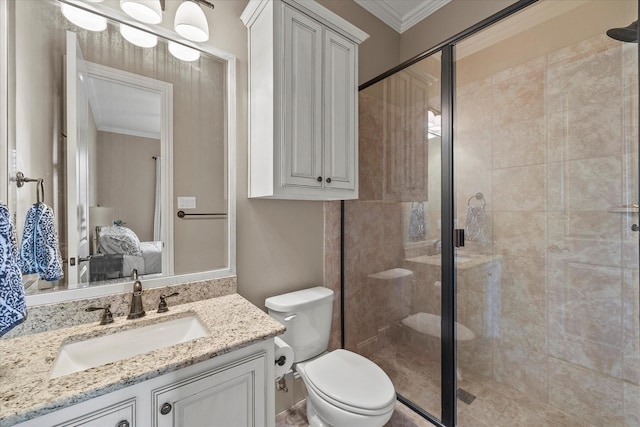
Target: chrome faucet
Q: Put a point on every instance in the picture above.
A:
(136, 310)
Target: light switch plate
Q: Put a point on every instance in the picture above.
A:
(186, 202)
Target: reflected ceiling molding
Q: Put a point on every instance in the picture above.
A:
(401, 15)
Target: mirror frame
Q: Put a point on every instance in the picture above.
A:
(231, 140)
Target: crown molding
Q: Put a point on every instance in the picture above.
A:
(388, 14)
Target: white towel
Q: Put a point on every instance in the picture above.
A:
(13, 309)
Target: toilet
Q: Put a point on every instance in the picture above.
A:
(344, 388)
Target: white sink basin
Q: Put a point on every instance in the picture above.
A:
(82, 355)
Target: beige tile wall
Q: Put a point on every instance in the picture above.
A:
(561, 131)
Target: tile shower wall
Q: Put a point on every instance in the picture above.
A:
(375, 244)
(552, 144)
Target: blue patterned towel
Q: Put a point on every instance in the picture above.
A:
(13, 309)
(39, 251)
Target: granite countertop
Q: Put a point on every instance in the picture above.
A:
(27, 392)
(463, 260)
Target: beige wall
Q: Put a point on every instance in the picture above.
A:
(380, 51)
(446, 22)
(126, 161)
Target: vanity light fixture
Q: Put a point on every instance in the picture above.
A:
(190, 21)
(147, 11)
(83, 19)
(183, 53)
(138, 37)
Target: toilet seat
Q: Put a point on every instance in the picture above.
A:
(350, 382)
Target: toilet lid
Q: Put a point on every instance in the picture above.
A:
(351, 379)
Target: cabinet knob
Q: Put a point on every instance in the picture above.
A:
(165, 408)
(123, 423)
(328, 180)
(319, 179)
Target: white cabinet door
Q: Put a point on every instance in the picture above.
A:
(119, 415)
(302, 115)
(93, 413)
(303, 110)
(340, 94)
(231, 396)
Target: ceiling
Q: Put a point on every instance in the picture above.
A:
(125, 109)
(401, 14)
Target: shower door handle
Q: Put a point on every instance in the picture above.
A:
(458, 237)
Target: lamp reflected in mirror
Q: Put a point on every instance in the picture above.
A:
(99, 216)
(83, 19)
(138, 37)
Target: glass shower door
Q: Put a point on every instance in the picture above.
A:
(392, 234)
(546, 155)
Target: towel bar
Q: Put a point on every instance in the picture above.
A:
(183, 215)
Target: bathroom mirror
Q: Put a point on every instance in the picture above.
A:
(136, 146)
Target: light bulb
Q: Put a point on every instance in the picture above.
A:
(147, 11)
(183, 53)
(191, 23)
(83, 19)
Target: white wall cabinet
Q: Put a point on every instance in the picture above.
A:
(229, 390)
(303, 101)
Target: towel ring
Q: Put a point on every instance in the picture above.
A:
(478, 196)
(20, 180)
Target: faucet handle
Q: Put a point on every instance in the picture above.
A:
(106, 316)
(162, 307)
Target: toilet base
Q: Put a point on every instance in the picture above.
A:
(313, 417)
(327, 415)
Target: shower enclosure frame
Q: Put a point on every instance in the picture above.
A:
(449, 294)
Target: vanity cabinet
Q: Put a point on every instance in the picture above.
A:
(303, 115)
(228, 390)
(119, 415)
(228, 396)
(109, 410)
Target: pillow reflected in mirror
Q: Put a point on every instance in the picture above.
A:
(117, 239)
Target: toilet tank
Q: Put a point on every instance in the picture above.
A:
(307, 316)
